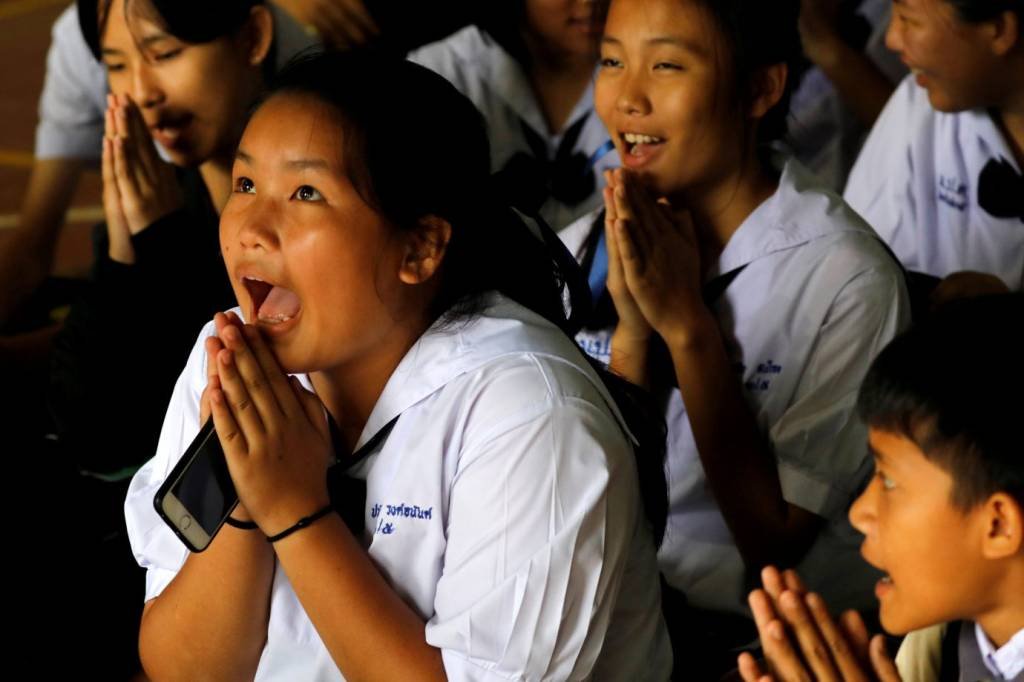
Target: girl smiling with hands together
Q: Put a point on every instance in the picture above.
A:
(769, 294)
(502, 534)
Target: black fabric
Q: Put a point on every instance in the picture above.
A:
(949, 666)
(1001, 190)
(348, 492)
(127, 338)
(528, 179)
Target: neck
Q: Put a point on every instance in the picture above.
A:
(1006, 618)
(1010, 117)
(719, 207)
(216, 173)
(349, 392)
(558, 81)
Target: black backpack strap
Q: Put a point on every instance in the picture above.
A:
(949, 667)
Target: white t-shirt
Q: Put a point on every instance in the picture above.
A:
(824, 134)
(916, 183)
(495, 82)
(503, 507)
(818, 299)
(74, 96)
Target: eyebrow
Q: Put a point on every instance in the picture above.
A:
(293, 164)
(675, 41)
(145, 42)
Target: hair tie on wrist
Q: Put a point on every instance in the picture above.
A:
(301, 523)
(243, 525)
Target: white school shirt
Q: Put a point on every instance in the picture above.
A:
(503, 507)
(74, 97)
(494, 81)
(818, 299)
(824, 133)
(915, 182)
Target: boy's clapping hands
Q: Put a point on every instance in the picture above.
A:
(802, 642)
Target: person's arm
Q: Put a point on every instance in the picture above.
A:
(210, 621)
(26, 252)
(863, 87)
(658, 255)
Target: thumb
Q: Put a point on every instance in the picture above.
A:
(311, 405)
(884, 666)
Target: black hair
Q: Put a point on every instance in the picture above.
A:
(191, 21)
(394, 113)
(975, 11)
(758, 34)
(953, 385)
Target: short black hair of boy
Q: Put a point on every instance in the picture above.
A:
(974, 11)
(954, 385)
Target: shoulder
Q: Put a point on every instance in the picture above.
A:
(510, 367)
(455, 54)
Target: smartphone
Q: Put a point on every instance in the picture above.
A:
(198, 495)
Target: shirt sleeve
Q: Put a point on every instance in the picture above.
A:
(73, 99)
(820, 442)
(880, 186)
(540, 521)
(155, 546)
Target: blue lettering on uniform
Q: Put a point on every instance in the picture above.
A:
(401, 510)
(763, 375)
(952, 192)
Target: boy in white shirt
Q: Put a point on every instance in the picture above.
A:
(943, 516)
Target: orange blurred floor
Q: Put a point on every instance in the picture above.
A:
(24, 39)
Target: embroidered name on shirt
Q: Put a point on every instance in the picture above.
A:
(762, 379)
(598, 346)
(382, 512)
(953, 192)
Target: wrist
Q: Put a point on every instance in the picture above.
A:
(691, 330)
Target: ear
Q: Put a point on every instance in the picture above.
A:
(425, 250)
(1004, 33)
(1004, 527)
(258, 34)
(769, 84)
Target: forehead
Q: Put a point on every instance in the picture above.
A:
(130, 24)
(662, 21)
(294, 125)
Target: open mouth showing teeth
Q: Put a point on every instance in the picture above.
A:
(637, 143)
(271, 304)
(887, 579)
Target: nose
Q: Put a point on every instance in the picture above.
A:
(632, 100)
(893, 35)
(254, 225)
(862, 511)
(146, 90)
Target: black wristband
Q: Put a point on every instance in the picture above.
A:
(243, 525)
(301, 523)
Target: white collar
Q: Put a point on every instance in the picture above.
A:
(1007, 662)
(504, 74)
(800, 210)
(991, 141)
(441, 355)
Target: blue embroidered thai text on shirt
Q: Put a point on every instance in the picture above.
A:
(952, 192)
